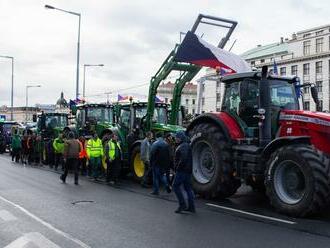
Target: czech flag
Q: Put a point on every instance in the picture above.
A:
(196, 51)
(158, 99)
(122, 98)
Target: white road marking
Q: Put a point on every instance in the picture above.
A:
(253, 214)
(7, 216)
(36, 218)
(35, 239)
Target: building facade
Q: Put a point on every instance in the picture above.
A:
(188, 97)
(305, 54)
(20, 114)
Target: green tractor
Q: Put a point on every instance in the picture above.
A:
(92, 118)
(49, 126)
(132, 126)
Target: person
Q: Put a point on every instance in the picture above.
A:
(71, 157)
(183, 169)
(159, 160)
(38, 147)
(83, 156)
(113, 155)
(16, 146)
(24, 146)
(94, 151)
(30, 146)
(145, 157)
(170, 142)
(58, 145)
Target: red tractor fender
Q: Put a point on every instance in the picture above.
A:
(283, 141)
(229, 126)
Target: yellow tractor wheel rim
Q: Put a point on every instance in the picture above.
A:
(138, 166)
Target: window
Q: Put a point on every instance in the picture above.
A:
(306, 69)
(319, 32)
(306, 35)
(253, 63)
(318, 67)
(218, 97)
(125, 115)
(319, 86)
(218, 109)
(294, 70)
(166, 100)
(218, 84)
(187, 101)
(193, 101)
(203, 100)
(319, 45)
(307, 47)
(193, 111)
(306, 90)
(306, 105)
(283, 71)
(262, 61)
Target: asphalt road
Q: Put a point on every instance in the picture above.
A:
(36, 210)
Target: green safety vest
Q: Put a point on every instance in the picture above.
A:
(58, 145)
(94, 148)
(112, 149)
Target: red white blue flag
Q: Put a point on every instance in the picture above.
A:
(196, 51)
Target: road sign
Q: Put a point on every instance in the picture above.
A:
(2, 117)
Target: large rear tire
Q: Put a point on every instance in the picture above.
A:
(137, 166)
(298, 180)
(212, 173)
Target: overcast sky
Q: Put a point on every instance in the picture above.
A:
(132, 38)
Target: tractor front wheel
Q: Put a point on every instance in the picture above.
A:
(298, 180)
(212, 172)
(137, 166)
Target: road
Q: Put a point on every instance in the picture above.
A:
(36, 210)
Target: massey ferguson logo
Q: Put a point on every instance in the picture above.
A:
(301, 118)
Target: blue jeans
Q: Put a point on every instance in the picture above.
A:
(96, 163)
(157, 177)
(183, 180)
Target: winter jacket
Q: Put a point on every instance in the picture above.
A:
(72, 148)
(183, 158)
(16, 142)
(160, 154)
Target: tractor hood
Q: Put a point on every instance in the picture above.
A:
(319, 118)
(167, 128)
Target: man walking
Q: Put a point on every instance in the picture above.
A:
(159, 160)
(145, 157)
(58, 145)
(113, 155)
(94, 151)
(71, 157)
(183, 169)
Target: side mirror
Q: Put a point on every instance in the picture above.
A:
(34, 118)
(315, 97)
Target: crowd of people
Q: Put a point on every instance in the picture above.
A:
(167, 160)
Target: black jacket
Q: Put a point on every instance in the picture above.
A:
(183, 158)
(160, 154)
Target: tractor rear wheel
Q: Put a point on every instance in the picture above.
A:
(212, 173)
(298, 180)
(137, 166)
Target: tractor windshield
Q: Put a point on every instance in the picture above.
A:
(160, 115)
(283, 94)
(101, 114)
(53, 121)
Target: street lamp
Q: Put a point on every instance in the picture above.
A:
(27, 98)
(84, 83)
(12, 86)
(78, 44)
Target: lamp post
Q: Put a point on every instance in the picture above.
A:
(78, 44)
(12, 86)
(27, 98)
(84, 83)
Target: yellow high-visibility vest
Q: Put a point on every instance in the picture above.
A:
(94, 148)
(112, 149)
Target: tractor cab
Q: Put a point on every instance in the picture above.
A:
(94, 117)
(51, 124)
(242, 100)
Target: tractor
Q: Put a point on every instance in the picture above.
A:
(91, 118)
(262, 138)
(132, 126)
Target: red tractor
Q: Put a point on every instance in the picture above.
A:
(262, 138)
